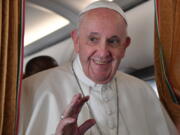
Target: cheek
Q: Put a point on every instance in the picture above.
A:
(118, 54)
(86, 52)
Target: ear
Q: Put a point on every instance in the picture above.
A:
(126, 44)
(75, 38)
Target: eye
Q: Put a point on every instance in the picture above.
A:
(93, 39)
(114, 42)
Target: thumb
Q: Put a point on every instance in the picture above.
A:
(86, 125)
(177, 92)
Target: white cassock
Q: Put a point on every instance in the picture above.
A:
(126, 105)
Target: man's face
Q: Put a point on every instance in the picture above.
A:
(101, 43)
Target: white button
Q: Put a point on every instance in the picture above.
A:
(109, 112)
(106, 99)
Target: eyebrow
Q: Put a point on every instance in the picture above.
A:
(112, 37)
(94, 33)
(115, 36)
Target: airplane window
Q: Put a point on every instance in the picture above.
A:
(44, 22)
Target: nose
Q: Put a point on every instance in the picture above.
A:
(103, 50)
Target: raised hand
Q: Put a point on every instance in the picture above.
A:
(68, 125)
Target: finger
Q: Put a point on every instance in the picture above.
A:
(86, 125)
(177, 93)
(81, 103)
(73, 103)
(75, 106)
(64, 124)
(78, 106)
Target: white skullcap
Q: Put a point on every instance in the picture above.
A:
(105, 4)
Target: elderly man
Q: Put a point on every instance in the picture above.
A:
(89, 96)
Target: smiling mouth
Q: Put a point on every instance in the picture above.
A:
(101, 62)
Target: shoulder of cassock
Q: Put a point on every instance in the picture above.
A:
(135, 89)
(48, 77)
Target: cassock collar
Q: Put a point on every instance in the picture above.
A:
(83, 78)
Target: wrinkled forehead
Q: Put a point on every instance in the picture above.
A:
(102, 21)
